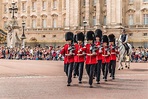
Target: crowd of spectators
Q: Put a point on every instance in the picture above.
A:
(30, 53)
(139, 54)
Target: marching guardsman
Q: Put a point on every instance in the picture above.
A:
(79, 56)
(75, 68)
(105, 57)
(98, 34)
(68, 52)
(91, 59)
(113, 53)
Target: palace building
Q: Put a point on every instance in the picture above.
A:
(48, 20)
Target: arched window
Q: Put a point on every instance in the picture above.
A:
(43, 5)
(64, 3)
(94, 20)
(94, 2)
(145, 19)
(54, 20)
(44, 23)
(145, 0)
(54, 23)
(131, 19)
(54, 4)
(33, 23)
(33, 5)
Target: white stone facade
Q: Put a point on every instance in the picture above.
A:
(48, 20)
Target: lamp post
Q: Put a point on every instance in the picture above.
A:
(23, 37)
(84, 23)
(13, 9)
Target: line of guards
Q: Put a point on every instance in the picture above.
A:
(98, 53)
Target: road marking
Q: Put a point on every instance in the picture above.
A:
(36, 76)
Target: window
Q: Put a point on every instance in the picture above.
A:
(104, 20)
(105, 2)
(64, 4)
(131, 20)
(54, 23)
(144, 34)
(94, 2)
(43, 5)
(43, 36)
(145, 19)
(84, 3)
(131, 1)
(53, 36)
(33, 6)
(55, 4)
(43, 23)
(145, 0)
(5, 8)
(5, 24)
(130, 34)
(94, 20)
(33, 23)
(23, 6)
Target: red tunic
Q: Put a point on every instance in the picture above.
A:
(105, 56)
(77, 51)
(64, 51)
(113, 53)
(99, 54)
(89, 59)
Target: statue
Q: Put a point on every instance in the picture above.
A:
(12, 29)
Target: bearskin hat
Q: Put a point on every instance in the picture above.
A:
(69, 36)
(105, 39)
(111, 37)
(75, 39)
(80, 36)
(90, 35)
(98, 33)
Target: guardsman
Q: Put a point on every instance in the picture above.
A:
(113, 54)
(68, 52)
(79, 55)
(105, 57)
(98, 34)
(91, 59)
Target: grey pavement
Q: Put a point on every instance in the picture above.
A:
(29, 79)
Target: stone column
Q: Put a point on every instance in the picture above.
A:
(76, 12)
(87, 12)
(119, 11)
(67, 14)
(114, 12)
(98, 5)
(108, 21)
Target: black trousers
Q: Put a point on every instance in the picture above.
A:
(66, 69)
(69, 72)
(90, 71)
(105, 69)
(126, 47)
(112, 67)
(81, 66)
(99, 65)
(76, 71)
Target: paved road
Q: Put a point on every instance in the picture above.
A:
(28, 79)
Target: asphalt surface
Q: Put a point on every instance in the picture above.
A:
(29, 79)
